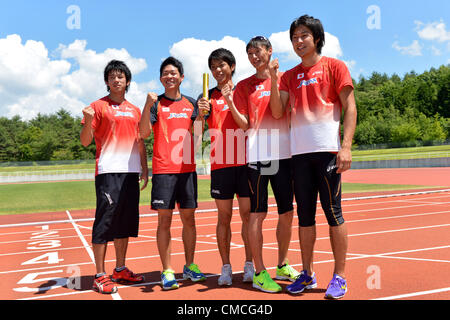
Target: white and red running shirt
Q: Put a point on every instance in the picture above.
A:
(116, 134)
(315, 105)
(268, 138)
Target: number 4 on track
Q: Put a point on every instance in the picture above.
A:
(49, 258)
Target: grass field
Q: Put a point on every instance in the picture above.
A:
(402, 153)
(358, 155)
(74, 195)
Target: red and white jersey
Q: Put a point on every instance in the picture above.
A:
(268, 138)
(173, 146)
(116, 134)
(227, 139)
(315, 105)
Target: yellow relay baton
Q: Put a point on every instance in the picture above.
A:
(205, 88)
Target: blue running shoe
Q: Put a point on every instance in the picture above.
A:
(193, 272)
(302, 282)
(336, 288)
(168, 281)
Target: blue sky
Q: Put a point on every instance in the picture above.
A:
(44, 64)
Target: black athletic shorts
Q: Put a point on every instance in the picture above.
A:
(279, 173)
(226, 182)
(117, 212)
(177, 187)
(315, 173)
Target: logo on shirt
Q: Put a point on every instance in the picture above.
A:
(174, 115)
(115, 107)
(300, 76)
(220, 101)
(264, 94)
(124, 114)
(165, 109)
(260, 87)
(307, 82)
(187, 109)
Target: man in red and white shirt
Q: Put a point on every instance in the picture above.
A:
(268, 157)
(120, 158)
(316, 92)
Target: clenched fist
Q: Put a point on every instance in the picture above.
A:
(151, 98)
(273, 68)
(88, 113)
(227, 92)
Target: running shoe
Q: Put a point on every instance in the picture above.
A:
(286, 272)
(302, 282)
(225, 278)
(265, 283)
(249, 272)
(126, 276)
(336, 288)
(168, 281)
(104, 284)
(193, 272)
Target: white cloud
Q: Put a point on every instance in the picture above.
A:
(32, 83)
(414, 49)
(27, 67)
(434, 31)
(436, 51)
(194, 53)
(281, 44)
(332, 47)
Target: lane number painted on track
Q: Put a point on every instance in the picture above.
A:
(47, 280)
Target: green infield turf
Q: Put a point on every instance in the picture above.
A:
(75, 195)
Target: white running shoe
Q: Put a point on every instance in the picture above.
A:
(225, 278)
(249, 271)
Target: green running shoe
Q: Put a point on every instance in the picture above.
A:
(168, 281)
(286, 272)
(193, 272)
(265, 283)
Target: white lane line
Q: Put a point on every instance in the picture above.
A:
(86, 245)
(414, 294)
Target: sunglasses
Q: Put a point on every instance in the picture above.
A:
(260, 38)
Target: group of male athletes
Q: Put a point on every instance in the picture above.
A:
(277, 127)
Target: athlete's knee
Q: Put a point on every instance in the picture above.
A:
(285, 219)
(334, 216)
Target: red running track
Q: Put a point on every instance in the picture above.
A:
(393, 243)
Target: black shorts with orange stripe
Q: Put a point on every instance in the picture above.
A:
(279, 173)
(315, 173)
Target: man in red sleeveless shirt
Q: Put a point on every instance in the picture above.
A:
(174, 178)
(316, 92)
